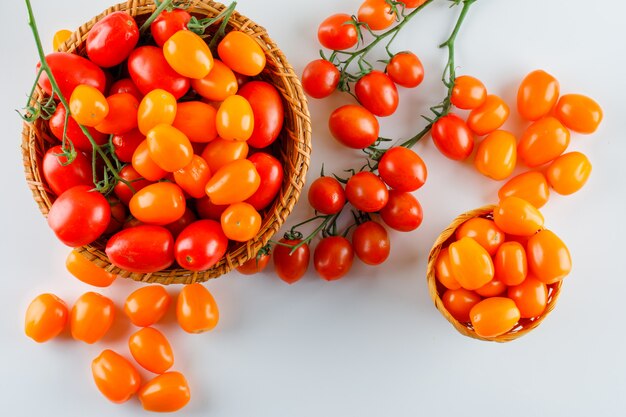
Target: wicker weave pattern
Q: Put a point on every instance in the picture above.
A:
(524, 326)
(293, 146)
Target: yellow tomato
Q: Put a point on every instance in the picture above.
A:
(60, 37)
(471, 264)
(494, 316)
(517, 217)
(569, 172)
(531, 186)
(483, 231)
(218, 85)
(88, 272)
(497, 155)
(241, 53)
(188, 54)
(157, 107)
(543, 141)
(46, 317)
(579, 113)
(151, 350)
(169, 148)
(88, 106)
(510, 263)
(235, 119)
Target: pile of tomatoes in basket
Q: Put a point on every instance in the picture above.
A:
(173, 127)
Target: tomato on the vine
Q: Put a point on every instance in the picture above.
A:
(160, 203)
(234, 182)
(377, 14)
(489, 116)
(367, 192)
(377, 93)
(168, 23)
(402, 212)
(268, 111)
(255, 264)
(402, 169)
(405, 69)
(271, 173)
(73, 131)
(142, 249)
(61, 176)
(354, 126)
(468, 92)
(370, 242)
(453, 137)
(410, 4)
(241, 53)
(46, 318)
(333, 257)
(290, 267)
(320, 78)
(326, 195)
(111, 40)
(338, 32)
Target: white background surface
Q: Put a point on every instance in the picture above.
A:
(371, 344)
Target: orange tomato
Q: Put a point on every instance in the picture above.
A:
(517, 217)
(510, 263)
(166, 393)
(531, 186)
(492, 288)
(569, 172)
(241, 222)
(233, 183)
(194, 177)
(159, 204)
(494, 316)
(169, 148)
(87, 271)
(46, 317)
(151, 350)
(377, 14)
(459, 303)
(579, 113)
(145, 306)
(218, 85)
(489, 116)
(471, 264)
(157, 107)
(196, 120)
(116, 378)
(122, 115)
(443, 271)
(196, 310)
(241, 53)
(88, 106)
(221, 152)
(530, 297)
(548, 257)
(188, 54)
(537, 95)
(91, 317)
(497, 155)
(235, 119)
(468, 92)
(59, 38)
(144, 165)
(543, 141)
(483, 231)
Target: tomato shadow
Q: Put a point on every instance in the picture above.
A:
(120, 329)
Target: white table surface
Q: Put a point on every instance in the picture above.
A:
(371, 344)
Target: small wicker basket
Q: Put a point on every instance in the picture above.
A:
(436, 289)
(293, 146)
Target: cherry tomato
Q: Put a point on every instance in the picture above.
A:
(150, 71)
(126, 144)
(219, 84)
(167, 393)
(147, 305)
(194, 177)
(333, 257)
(569, 172)
(271, 173)
(542, 142)
(491, 289)
(116, 378)
(208, 210)
(468, 92)
(537, 95)
(196, 309)
(405, 69)
(579, 113)
(142, 249)
(88, 106)
(354, 126)
(377, 14)
(367, 192)
(320, 78)
(221, 152)
(377, 93)
(549, 259)
(111, 40)
(402, 212)
(118, 216)
(159, 204)
(254, 265)
(409, 4)
(201, 245)
(123, 191)
(241, 222)
(157, 107)
(181, 224)
(291, 267)
(517, 217)
(494, 316)
(497, 155)
(530, 297)
(489, 116)
(268, 110)
(169, 148)
(483, 231)
(326, 195)
(144, 165)
(402, 169)
(125, 85)
(122, 116)
(443, 271)
(91, 317)
(531, 186)
(459, 302)
(233, 183)
(188, 54)
(338, 32)
(470, 263)
(453, 137)
(69, 71)
(73, 132)
(370, 242)
(151, 349)
(510, 264)
(46, 318)
(241, 53)
(79, 216)
(168, 23)
(87, 271)
(61, 176)
(196, 120)
(60, 37)
(235, 119)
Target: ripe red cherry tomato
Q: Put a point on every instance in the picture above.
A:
(271, 172)
(531, 186)
(91, 317)
(254, 265)
(468, 92)
(242, 53)
(494, 316)
(149, 71)
(207, 210)
(489, 116)
(61, 176)
(459, 303)
(122, 116)
(291, 267)
(405, 69)
(579, 113)
(326, 195)
(268, 110)
(116, 378)
(111, 40)
(377, 93)
(166, 393)
(338, 32)
(354, 126)
(151, 349)
(453, 137)
(179, 225)
(483, 231)
(549, 259)
(333, 257)
(537, 95)
(168, 23)
(367, 192)
(402, 169)
(136, 181)
(79, 216)
(569, 172)
(70, 71)
(142, 249)
(497, 155)
(126, 144)
(320, 78)
(517, 217)
(73, 132)
(46, 317)
(125, 85)
(410, 4)
(377, 14)
(402, 212)
(200, 245)
(370, 242)
(530, 297)
(196, 309)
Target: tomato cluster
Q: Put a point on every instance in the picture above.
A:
(498, 271)
(186, 134)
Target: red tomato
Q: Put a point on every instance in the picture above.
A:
(126, 144)
(497, 155)
(136, 181)
(489, 116)
(254, 265)
(542, 142)
(483, 231)
(196, 309)
(377, 93)
(376, 14)
(116, 378)
(267, 107)
(459, 303)
(367, 192)
(333, 257)
(91, 317)
(179, 225)
(122, 116)
(218, 85)
(537, 95)
(118, 216)
(354, 126)
(242, 53)
(579, 113)
(517, 217)
(548, 257)
(494, 316)
(338, 32)
(167, 393)
(69, 71)
(200, 245)
(405, 69)
(271, 172)
(468, 92)
(61, 176)
(443, 271)
(168, 23)
(240, 222)
(470, 263)
(326, 195)
(46, 318)
(510, 264)
(233, 183)
(147, 305)
(142, 249)
(207, 210)
(291, 267)
(320, 78)
(73, 132)
(125, 85)
(79, 216)
(111, 40)
(402, 169)
(409, 4)
(402, 212)
(453, 137)
(530, 297)
(151, 349)
(371, 243)
(160, 203)
(149, 71)
(569, 172)
(531, 186)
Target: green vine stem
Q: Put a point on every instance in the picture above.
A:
(155, 14)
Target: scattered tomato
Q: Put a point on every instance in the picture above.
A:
(157, 107)
(125, 85)
(59, 38)
(147, 305)
(73, 132)
(61, 176)
(87, 271)
(46, 318)
(116, 378)
(579, 113)
(543, 141)
(517, 217)
(151, 349)
(219, 84)
(493, 288)
(166, 393)
(196, 310)
(188, 54)
(569, 173)
(531, 186)
(91, 317)
(489, 116)
(123, 190)
(497, 155)
(537, 95)
(122, 115)
(69, 71)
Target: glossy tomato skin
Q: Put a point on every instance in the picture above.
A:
(167, 393)
(338, 32)
(125, 144)
(320, 78)
(291, 267)
(79, 216)
(468, 92)
(537, 95)
(402, 169)
(125, 85)
(122, 116)
(531, 186)
(159, 204)
(333, 257)
(147, 305)
(46, 318)
(240, 222)
(233, 183)
(60, 177)
(510, 263)
(370, 242)
(142, 249)
(151, 349)
(483, 231)
(405, 69)
(443, 271)
(168, 23)
(492, 289)
(354, 126)
(188, 54)
(59, 38)
(145, 165)
(579, 113)
(377, 14)
(207, 210)
(157, 107)
(549, 259)
(409, 4)
(271, 172)
(268, 110)
(377, 93)
(219, 84)
(497, 155)
(367, 192)
(111, 40)
(459, 302)
(196, 309)
(235, 119)
(471, 264)
(453, 137)
(569, 173)
(242, 53)
(220, 152)
(200, 245)
(494, 316)
(87, 271)
(149, 71)
(196, 120)
(119, 214)
(169, 148)
(179, 225)
(73, 132)
(70, 71)
(542, 142)
(116, 378)
(254, 265)
(88, 106)
(530, 297)
(402, 212)
(193, 177)
(91, 317)
(489, 116)
(326, 195)
(517, 217)
(123, 191)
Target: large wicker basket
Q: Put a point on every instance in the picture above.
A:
(435, 289)
(293, 146)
